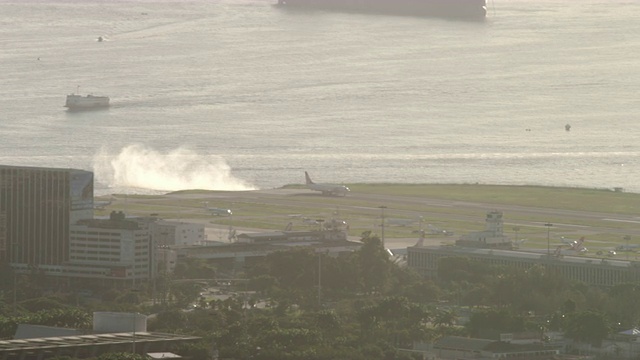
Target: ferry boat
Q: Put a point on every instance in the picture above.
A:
(88, 102)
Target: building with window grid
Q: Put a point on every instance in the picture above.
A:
(591, 271)
(37, 208)
(47, 226)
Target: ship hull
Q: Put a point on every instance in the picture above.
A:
(469, 9)
(89, 102)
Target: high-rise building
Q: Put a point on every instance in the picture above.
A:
(37, 208)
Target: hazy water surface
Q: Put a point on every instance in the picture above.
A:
(240, 94)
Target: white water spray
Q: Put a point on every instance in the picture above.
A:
(136, 166)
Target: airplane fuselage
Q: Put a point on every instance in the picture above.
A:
(326, 189)
(330, 189)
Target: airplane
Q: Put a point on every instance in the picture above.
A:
(310, 221)
(568, 247)
(326, 189)
(575, 245)
(335, 224)
(218, 211)
(433, 230)
(516, 243)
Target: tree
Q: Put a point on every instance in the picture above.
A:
(43, 303)
(194, 268)
(262, 283)
(195, 351)
(587, 326)
(623, 305)
(169, 319)
(185, 293)
(295, 268)
(393, 319)
(328, 322)
(120, 356)
(462, 269)
(445, 318)
(492, 322)
(8, 327)
(374, 264)
(421, 290)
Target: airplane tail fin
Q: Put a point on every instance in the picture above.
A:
(307, 178)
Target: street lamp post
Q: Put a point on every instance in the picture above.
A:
(548, 225)
(627, 238)
(382, 224)
(515, 240)
(319, 278)
(134, 317)
(133, 342)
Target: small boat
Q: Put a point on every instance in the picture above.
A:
(88, 102)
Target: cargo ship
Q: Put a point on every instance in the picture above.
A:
(466, 9)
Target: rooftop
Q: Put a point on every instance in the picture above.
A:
(531, 255)
(41, 344)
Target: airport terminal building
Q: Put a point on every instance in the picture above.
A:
(492, 247)
(591, 271)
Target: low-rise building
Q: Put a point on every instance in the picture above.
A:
(492, 237)
(591, 271)
(292, 236)
(458, 348)
(171, 233)
(251, 247)
(112, 333)
(492, 247)
(117, 248)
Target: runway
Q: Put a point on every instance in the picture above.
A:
(274, 209)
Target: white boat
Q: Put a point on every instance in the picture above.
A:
(88, 102)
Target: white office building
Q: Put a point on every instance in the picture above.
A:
(170, 233)
(117, 248)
